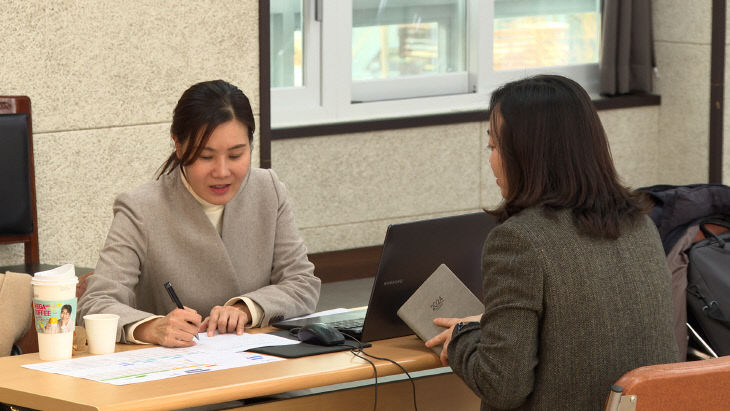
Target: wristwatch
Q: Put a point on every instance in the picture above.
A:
(461, 325)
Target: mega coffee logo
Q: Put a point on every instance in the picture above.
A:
(436, 305)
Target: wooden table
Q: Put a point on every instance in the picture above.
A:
(41, 390)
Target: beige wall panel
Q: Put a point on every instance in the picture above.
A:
(75, 197)
(109, 63)
(354, 178)
(682, 21)
(632, 134)
(684, 113)
(11, 254)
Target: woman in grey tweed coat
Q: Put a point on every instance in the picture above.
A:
(576, 288)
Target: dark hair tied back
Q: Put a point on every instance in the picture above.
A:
(202, 108)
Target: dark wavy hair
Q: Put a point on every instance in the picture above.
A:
(202, 108)
(555, 155)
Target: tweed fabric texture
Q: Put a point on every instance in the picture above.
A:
(565, 315)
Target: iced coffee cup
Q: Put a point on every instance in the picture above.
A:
(54, 310)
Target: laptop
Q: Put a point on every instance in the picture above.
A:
(411, 252)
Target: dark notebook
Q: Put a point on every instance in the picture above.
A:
(303, 349)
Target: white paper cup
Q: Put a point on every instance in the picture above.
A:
(54, 309)
(101, 332)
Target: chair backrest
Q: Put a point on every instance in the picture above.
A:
(18, 218)
(694, 385)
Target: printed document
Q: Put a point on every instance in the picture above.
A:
(128, 367)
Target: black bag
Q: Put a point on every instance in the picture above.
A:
(708, 286)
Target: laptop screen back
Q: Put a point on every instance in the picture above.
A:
(411, 252)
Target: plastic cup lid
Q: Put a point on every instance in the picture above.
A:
(65, 274)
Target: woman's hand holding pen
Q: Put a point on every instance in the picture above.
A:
(227, 319)
(176, 329)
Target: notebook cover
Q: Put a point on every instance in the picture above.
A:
(441, 295)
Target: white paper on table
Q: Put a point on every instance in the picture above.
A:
(245, 342)
(219, 352)
(321, 313)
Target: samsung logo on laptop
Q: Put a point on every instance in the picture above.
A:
(393, 282)
(436, 305)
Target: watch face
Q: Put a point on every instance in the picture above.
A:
(461, 325)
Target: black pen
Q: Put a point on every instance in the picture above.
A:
(176, 300)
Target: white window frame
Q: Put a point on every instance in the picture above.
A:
(405, 87)
(325, 97)
(302, 100)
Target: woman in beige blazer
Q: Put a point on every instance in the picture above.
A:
(576, 287)
(223, 233)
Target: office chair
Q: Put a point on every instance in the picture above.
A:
(18, 219)
(18, 216)
(694, 385)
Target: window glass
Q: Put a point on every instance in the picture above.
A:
(335, 61)
(392, 39)
(542, 33)
(286, 43)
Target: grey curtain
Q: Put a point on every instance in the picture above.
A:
(627, 47)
